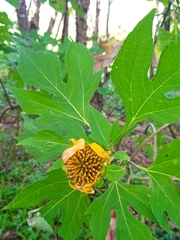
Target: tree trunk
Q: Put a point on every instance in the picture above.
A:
(34, 24)
(96, 29)
(52, 22)
(22, 16)
(107, 21)
(81, 23)
(66, 22)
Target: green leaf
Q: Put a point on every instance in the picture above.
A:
(100, 128)
(144, 98)
(49, 143)
(120, 197)
(14, 3)
(121, 156)
(56, 165)
(4, 19)
(77, 8)
(59, 125)
(43, 70)
(4, 35)
(165, 196)
(58, 5)
(115, 132)
(165, 2)
(114, 172)
(165, 38)
(55, 187)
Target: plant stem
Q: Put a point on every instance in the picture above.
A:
(151, 136)
(155, 139)
(6, 94)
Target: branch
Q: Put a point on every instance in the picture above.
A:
(12, 107)
(151, 136)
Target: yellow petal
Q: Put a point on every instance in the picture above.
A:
(85, 189)
(77, 145)
(101, 152)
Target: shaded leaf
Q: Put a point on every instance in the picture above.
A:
(40, 223)
(114, 173)
(165, 196)
(121, 156)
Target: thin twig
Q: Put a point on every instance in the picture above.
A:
(6, 94)
(142, 145)
(12, 107)
(155, 139)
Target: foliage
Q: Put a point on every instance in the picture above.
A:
(55, 99)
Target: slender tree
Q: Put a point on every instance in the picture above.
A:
(96, 28)
(34, 24)
(22, 16)
(81, 22)
(66, 21)
(107, 21)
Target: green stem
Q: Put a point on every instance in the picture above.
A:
(151, 136)
(155, 139)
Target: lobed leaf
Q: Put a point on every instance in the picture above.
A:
(101, 128)
(144, 98)
(120, 197)
(71, 203)
(165, 196)
(70, 99)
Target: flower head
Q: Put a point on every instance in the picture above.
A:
(84, 164)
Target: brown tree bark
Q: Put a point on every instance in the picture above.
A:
(22, 16)
(81, 23)
(52, 22)
(96, 28)
(107, 21)
(66, 22)
(34, 24)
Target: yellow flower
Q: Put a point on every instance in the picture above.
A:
(84, 164)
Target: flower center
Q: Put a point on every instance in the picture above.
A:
(84, 167)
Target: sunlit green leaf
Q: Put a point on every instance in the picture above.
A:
(4, 35)
(71, 99)
(100, 127)
(14, 3)
(58, 5)
(4, 19)
(77, 7)
(165, 2)
(165, 38)
(144, 98)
